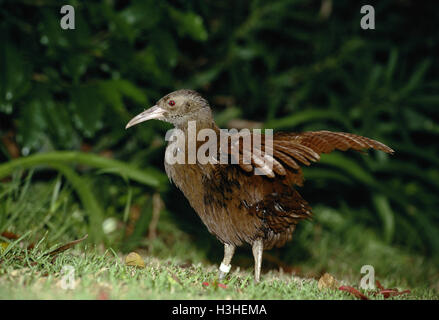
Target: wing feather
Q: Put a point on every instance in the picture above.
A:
(290, 148)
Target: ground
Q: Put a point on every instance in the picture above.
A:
(182, 265)
(32, 275)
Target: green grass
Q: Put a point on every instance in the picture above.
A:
(29, 275)
(179, 273)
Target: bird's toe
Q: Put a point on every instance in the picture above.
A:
(222, 275)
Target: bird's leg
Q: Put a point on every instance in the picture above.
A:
(229, 250)
(257, 248)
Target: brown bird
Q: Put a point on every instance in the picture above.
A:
(251, 200)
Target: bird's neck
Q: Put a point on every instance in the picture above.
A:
(204, 120)
(192, 140)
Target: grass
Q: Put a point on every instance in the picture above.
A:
(177, 263)
(26, 275)
(103, 274)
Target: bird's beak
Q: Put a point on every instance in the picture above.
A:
(152, 113)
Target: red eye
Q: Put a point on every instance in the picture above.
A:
(171, 103)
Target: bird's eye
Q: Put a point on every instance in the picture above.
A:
(171, 102)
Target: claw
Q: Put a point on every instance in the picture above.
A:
(222, 275)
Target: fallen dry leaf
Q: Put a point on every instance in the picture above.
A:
(215, 284)
(354, 292)
(66, 246)
(388, 292)
(327, 282)
(381, 290)
(135, 260)
(10, 235)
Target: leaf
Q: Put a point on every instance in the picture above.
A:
(416, 78)
(188, 23)
(388, 292)
(327, 281)
(66, 246)
(215, 285)
(147, 63)
(14, 77)
(417, 121)
(374, 79)
(325, 175)
(88, 200)
(348, 165)
(300, 118)
(135, 260)
(76, 65)
(113, 91)
(31, 126)
(9, 235)
(393, 59)
(228, 114)
(380, 290)
(386, 214)
(148, 176)
(88, 109)
(52, 36)
(205, 77)
(59, 125)
(354, 292)
(13, 244)
(165, 49)
(141, 14)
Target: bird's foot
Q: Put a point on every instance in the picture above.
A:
(221, 275)
(223, 271)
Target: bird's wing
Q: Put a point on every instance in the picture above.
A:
(291, 150)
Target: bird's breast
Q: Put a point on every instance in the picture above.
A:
(237, 206)
(220, 198)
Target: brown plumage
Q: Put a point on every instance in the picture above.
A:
(237, 205)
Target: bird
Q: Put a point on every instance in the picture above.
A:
(252, 199)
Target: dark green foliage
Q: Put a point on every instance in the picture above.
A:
(291, 64)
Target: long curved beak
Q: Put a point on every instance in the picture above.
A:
(149, 114)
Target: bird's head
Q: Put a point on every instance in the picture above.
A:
(178, 108)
